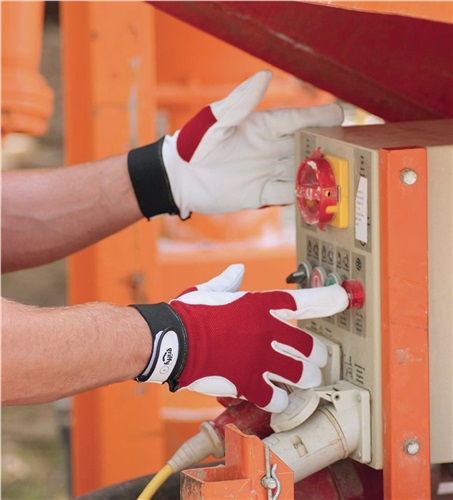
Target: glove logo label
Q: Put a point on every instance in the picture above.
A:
(167, 347)
(167, 358)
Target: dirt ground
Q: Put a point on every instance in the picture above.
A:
(34, 457)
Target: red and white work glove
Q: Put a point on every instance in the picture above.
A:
(227, 157)
(218, 341)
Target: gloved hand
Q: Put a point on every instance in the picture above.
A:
(216, 340)
(226, 158)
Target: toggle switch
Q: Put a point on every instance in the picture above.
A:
(302, 276)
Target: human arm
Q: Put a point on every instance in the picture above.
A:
(226, 158)
(50, 353)
(212, 339)
(51, 213)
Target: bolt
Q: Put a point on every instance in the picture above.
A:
(269, 483)
(408, 176)
(411, 446)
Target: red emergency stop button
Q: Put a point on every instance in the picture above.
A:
(316, 190)
(356, 293)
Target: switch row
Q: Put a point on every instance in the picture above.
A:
(308, 277)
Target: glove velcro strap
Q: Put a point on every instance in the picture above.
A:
(169, 335)
(150, 181)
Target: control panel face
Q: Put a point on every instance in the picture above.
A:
(337, 242)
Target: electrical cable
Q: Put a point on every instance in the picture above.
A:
(156, 482)
(211, 441)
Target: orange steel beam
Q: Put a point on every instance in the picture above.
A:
(109, 100)
(404, 299)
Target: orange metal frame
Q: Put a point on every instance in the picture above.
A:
(404, 302)
(245, 467)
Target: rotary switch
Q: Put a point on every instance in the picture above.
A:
(316, 190)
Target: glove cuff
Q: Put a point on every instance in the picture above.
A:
(150, 180)
(169, 353)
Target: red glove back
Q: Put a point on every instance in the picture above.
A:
(239, 343)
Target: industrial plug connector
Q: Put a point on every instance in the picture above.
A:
(310, 437)
(247, 417)
(206, 442)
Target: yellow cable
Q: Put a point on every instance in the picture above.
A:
(156, 482)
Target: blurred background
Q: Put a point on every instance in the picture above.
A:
(34, 438)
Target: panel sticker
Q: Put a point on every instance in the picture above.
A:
(362, 201)
(361, 211)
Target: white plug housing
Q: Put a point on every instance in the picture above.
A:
(336, 430)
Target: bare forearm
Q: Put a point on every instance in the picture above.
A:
(50, 353)
(49, 214)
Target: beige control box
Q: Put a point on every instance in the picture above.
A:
(338, 238)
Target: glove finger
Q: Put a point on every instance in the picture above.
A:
(302, 346)
(242, 101)
(213, 386)
(311, 376)
(315, 303)
(278, 192)
(214, 123)
(279, 399)
(228, 281)
(287, 121)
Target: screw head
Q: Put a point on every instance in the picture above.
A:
(411, 446)
(408, 176)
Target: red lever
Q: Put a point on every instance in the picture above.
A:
(316, 190)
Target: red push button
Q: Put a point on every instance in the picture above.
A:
(318, 277)
(356, 293)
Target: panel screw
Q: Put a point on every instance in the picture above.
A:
(411, 446)
(408, 176)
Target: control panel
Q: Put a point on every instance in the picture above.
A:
(338, 241)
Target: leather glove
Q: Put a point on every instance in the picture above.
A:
(227, 157)
(218, 341)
